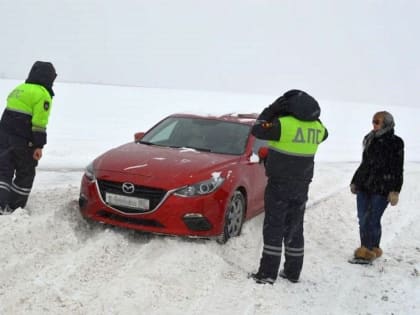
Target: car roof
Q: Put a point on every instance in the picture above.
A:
(243, 118)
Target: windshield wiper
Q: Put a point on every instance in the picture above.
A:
(160, 144)
(201, 149)
(174, 146)
(145, 142)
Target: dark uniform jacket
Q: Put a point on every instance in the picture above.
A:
(381, 169)
(26, 114)
(279, 165)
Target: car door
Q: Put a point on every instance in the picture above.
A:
(255, 172)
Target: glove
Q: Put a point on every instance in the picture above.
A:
(393, 197)
(262, 153)
(37, 155)
(353, 188)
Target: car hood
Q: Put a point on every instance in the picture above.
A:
(157, 165)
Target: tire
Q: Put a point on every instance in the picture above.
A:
(234, 218)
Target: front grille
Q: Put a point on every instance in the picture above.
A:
(136, 221)
(154, 195)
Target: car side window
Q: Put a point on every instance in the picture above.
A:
(228, 138)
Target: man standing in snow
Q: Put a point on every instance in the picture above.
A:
(23, 135)
(377, 182)
(292, 126)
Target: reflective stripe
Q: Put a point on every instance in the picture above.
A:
(272, 250)
(294, 254)
(19, 190)
(290, 153)
(293, 249)
(33, 100)
(38, 129)
(269, 252)
(19, 111)
(298, 138)
(273, 247)
(5, 186)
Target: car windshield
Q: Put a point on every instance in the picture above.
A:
(202, 134)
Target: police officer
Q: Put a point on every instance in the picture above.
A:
(23, 135)
(292, 126)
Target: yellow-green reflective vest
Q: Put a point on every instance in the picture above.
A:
(298, 138)
(33, 100)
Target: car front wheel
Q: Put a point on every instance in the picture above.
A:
(234, 218)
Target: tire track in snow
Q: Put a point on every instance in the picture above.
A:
(59, 264)
(52, 248)
(241, 255)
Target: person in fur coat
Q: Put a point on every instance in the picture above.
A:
(377, 182)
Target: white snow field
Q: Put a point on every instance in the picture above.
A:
(53, 262)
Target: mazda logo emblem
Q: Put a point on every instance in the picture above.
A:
(128, 188)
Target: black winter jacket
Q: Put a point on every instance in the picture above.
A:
(381, 169)
(18, 125)
(280, 166)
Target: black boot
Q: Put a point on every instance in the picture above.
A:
(6, 210)
(261, 279)
(284, 276)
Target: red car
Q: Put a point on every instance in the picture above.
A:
(188, 175)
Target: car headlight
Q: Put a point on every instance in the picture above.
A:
(202, 188)
(89, 173)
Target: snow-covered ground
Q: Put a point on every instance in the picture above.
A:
(53, 262)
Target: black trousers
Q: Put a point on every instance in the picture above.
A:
(17, 171)
(285, 203)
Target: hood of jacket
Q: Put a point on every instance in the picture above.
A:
(42, 73)
(302, 105)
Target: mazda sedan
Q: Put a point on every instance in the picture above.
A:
(188, 175)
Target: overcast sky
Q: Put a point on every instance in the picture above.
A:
(340, 50)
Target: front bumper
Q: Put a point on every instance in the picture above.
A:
(200, 216)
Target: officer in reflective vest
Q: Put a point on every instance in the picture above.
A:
(23, 135)
(292, 126)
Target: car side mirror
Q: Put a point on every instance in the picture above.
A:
(138, 136)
